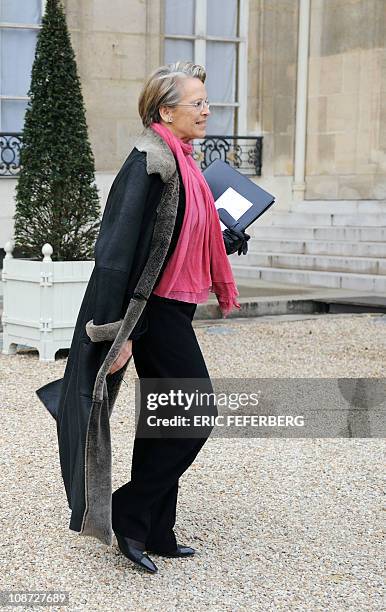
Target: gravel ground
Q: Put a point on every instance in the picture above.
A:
(278, 524)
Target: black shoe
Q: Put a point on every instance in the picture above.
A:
(181, 551)
(135, 551)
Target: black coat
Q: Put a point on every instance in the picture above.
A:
(147, 189)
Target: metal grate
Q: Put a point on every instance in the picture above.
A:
(242, 152)
(10, 145)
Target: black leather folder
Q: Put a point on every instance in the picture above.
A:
(220, 176)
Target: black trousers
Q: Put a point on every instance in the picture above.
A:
(144, 509)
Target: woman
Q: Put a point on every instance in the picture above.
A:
(159, 253)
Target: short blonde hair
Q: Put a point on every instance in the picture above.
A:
(161, 88)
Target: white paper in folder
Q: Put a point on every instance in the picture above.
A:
(234, 203)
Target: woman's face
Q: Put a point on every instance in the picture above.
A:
(187, 122)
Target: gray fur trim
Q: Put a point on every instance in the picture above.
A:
(97, 517)
(98, 479)
(101, 333)
(159, 158)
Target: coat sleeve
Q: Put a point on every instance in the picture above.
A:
(115, 248)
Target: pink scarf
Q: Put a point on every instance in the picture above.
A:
(199, 263)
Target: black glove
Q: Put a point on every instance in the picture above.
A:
(235, 240)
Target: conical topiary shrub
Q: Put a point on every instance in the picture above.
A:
(56, 196)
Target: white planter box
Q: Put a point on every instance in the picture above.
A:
(41, 301)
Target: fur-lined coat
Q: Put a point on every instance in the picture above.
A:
(143, 213)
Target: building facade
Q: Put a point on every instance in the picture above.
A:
(306, 78)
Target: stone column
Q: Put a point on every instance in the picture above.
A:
(299, 186)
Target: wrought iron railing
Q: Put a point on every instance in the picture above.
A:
(242, 152)
(10, 145)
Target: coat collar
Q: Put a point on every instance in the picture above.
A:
(159, 158)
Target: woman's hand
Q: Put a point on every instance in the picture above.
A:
(235, 240)
(123, 357)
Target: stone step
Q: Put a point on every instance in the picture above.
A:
(309, 219)
(350, 234)
(319, 247)
(326, 263)
(291, 219)
(315, 278)
(359, 220)
(337, 207)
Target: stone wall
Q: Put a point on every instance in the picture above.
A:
(116, 45)
(276, 50)
(272, 58)
(346, 121)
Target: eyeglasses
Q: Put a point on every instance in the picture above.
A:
(199, 105)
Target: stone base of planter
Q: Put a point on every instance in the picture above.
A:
(47, 350)
(41, 303)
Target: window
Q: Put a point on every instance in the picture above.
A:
(213, 33)
(19, 26)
